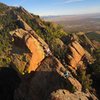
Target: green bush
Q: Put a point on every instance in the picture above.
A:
(3, 8)
(5, 49)
(84, 79)
(95, 67)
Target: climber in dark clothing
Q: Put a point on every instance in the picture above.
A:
(67, 74)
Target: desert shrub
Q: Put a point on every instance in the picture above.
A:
(95, 67)
(3, 7)
(5, 48)
(85, 79)
(58, 48)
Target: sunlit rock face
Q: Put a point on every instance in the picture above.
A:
(37, 53)
(77, 53)
(34, 43)
(78, 48)
(35, 47)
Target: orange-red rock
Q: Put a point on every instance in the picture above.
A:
(77, 53)
(72, 61)
(78, 47)
(76, 57)
(37, 53)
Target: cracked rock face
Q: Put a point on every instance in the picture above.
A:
(34, 43)
(76, 55)
(35, 48)
(62, 94)
(37, 51)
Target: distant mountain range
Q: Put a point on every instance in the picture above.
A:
(70, 17)
(77, 23)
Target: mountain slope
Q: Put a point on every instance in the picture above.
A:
(44, 57)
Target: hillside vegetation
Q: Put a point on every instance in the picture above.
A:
(38, 59)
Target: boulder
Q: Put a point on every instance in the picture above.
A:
(63, 94)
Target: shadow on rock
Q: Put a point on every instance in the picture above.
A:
(39, 85)
(9, 81)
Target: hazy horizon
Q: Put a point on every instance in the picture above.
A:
(70, 14)
(57, 7)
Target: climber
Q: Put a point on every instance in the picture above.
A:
(46, 49)
(48, 52)
(67, 74)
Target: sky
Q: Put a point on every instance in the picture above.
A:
(57, 7)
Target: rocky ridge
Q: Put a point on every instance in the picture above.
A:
(42, 74)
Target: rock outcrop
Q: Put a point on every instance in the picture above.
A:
(34, 43)
(77, 51)
(62, 94)
(76, 54)
(35, 48)
(47, 78)
(42, 75)
(44, 67)
(39, 50)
